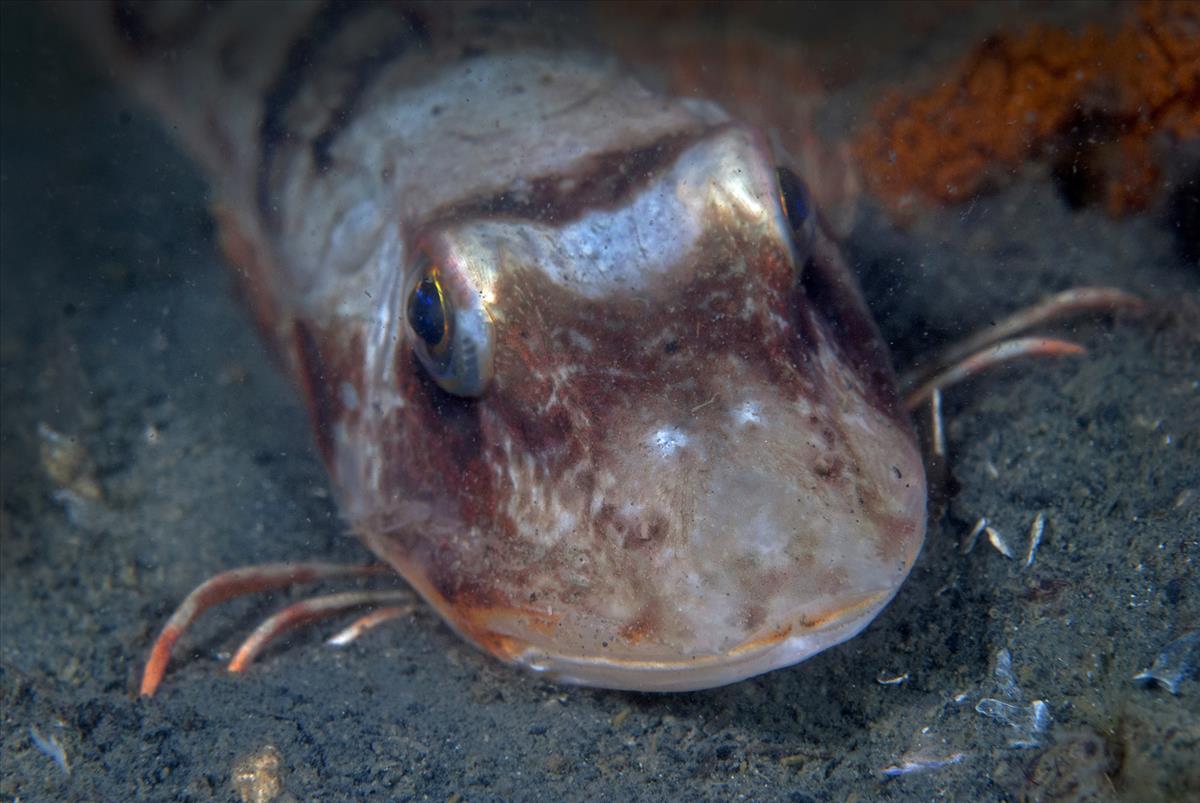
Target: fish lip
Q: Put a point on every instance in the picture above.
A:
(767, 651)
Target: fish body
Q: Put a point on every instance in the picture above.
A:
(583, 365)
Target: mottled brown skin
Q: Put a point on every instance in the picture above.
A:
(625, 353)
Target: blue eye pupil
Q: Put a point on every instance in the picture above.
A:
(426, 314)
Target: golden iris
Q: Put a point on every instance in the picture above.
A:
(793, 197)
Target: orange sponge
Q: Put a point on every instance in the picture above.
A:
(1096, 100)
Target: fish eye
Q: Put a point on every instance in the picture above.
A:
(427, 311)
(452, 331)
(797, 208)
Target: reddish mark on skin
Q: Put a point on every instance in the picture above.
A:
(639, 532)
(772, 581)
(626, 360)
(437, 437)
(832, 583)
(644, 625)
(325, 364)
(774, 637)
(827, 467)
(753, 617)
(534, 620)
(897, 536)
(650, 533)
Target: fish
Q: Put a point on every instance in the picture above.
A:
(584, 363)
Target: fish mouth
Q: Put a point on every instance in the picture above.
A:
(555, 646)
(525, 644)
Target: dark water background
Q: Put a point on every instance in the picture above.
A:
(120, 331)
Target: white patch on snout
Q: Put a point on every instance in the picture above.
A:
(668, 440)
(747, 413)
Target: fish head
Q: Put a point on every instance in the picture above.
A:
(645, 436)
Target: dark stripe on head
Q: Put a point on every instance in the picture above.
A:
(413, 32)
(604, 181)
(301, 57)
